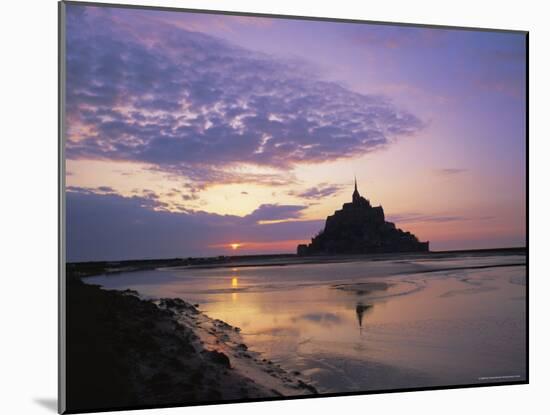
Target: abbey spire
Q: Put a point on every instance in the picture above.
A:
(356, 197)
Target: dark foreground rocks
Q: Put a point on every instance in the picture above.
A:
(123, 351)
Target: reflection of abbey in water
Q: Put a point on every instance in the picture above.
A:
(361, 228)
(360, 311)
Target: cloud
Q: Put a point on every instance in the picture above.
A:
(271, 212)
(320, 191)
(202, 176)
(191, 196)
(510, 86)
(182, 102)
(507, 56)
(418, 217)
(449, 171)
(398, 38)
(502, 68)
(106, 189)
(108, 226)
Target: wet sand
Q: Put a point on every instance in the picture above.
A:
(366, 324)
(123, 351)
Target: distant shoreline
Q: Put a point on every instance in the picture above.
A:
(93, 268)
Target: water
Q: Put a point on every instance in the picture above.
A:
(425, 323)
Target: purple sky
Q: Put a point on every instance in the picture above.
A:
(189, 132)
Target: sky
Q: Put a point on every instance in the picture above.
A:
(194, 134)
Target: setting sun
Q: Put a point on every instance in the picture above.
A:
(235, 246)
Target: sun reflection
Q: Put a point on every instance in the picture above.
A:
(234, 282)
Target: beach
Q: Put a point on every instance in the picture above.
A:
(331, 325)
(124, 351)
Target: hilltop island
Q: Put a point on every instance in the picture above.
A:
(359, 228)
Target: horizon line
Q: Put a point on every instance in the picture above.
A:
(296, 255)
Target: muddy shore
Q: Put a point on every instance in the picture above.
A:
(125, 351)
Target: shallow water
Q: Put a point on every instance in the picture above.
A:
(426, 325)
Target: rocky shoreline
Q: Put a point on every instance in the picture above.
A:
(126, 351)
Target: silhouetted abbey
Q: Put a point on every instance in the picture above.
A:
(361, 228)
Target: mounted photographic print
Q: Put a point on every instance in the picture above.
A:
(258, 207)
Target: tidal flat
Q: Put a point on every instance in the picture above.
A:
(362, 323)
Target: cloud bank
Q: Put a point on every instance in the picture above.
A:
(183, 102)
(320, 191)
(106, 226)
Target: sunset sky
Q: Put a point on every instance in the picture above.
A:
(187, 133)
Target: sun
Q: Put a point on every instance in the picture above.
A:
(235, 246)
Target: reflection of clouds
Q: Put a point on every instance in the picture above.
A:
(518, 280)
(278, 331)
(326, 319)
